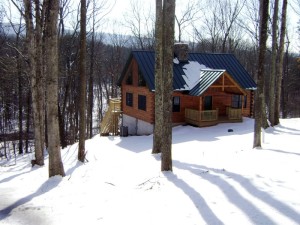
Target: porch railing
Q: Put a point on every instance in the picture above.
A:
(234, 114)
(194, 116)
(209, 115)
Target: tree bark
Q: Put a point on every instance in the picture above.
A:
(36, 83)
(273, 65)
(20, 93)
(82, 71)
(55, 161)
(279, 64)
(259, 95)
(158, 125)
(168, 53)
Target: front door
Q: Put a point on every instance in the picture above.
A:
(207, 102)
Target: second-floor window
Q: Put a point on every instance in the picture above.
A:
(129, 78)
(142, 82)
(129, 99)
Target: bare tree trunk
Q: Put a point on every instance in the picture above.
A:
(273, 64)
(28, 122)
(164, 28)
(259, 95)
(82, 71)
(158, 125)
(55, 161)
(20, 90)
(91, 80)
(279, 64)
(168, 53)
(36, 82)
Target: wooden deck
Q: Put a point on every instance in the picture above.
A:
(211, 117)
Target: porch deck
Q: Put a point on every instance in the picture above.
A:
(211, 117)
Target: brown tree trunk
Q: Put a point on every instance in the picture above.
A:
(259, 95)
(279, 64)
(20, 93)
(91, 85)
(168, 53)
(273, 65)
(82, 71)
(51, 17)
(158, 125)
(36, 82)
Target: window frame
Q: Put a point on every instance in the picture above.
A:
(129, 79)
(129, 99)
(141, 79)
(238, 103)
(142, 102)
(176, 104)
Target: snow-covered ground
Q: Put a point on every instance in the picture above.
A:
(217, 179)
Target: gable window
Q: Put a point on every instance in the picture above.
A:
(142, 102)
(176, 104)
(129, 78)
(237, 101)
(129, 99)
(142, 82)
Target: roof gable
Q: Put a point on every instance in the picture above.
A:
(206, 78)
(186, 75)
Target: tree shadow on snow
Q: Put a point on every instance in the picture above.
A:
(249, 209)
(7, 179)
(290, 130)
(199, 202)
(281, 151)
(209, 134)
(129, 143)
(50, 184)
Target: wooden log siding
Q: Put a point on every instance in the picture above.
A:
(145, 115)
(221, 100)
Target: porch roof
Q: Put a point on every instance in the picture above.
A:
(206, 79)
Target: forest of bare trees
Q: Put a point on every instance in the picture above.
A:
(227, 27)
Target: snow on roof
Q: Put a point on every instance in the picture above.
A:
(192, 74)
(175, 60)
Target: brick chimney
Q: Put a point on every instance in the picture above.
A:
(181, 52)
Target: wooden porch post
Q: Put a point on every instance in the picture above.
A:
(243, 100)
(200, 104)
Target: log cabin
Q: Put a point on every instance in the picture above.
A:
(207, 89)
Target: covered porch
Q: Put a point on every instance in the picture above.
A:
(220, 100)
(206, 118)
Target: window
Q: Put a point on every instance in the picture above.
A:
(142, 102)
(237, 101)
(142, 82)
(245, 101)
(129, 99)
(176, 104)
(207, 102)
(129, 78)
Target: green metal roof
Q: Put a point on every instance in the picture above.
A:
(206, 78)
(182, 72)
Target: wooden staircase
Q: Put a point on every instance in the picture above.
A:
(110, 122)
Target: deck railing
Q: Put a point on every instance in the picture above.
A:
(234, 114)
(195, 117)
(211, 117)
